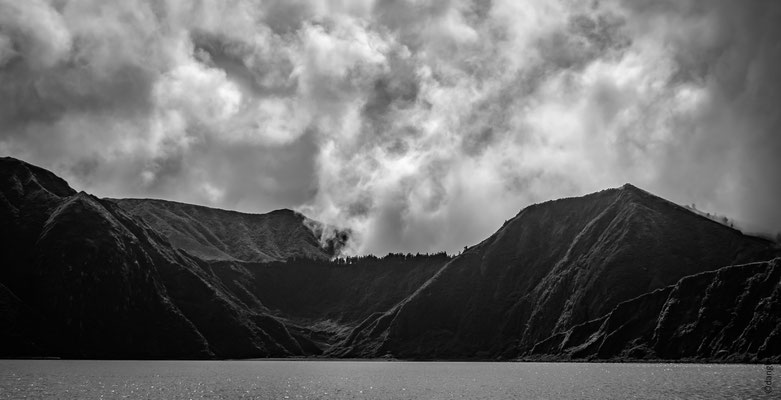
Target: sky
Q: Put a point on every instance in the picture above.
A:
(420, 125)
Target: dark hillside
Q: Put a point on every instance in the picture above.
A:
(323, 300)
(730, 314)
(342, 291)
(82, 278)
(555, 265)
(615, 274)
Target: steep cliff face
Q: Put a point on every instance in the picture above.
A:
(730, 314)
(555, 265)
(214, 234)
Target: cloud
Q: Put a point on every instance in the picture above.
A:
(38, 31)
(421, 126)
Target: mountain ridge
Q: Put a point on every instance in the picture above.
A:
(110, 278)
(495, 300)
(216, 234)
(84, 278)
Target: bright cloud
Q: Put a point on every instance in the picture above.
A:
(421, 125)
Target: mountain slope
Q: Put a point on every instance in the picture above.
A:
(730, 314)
(88, 277)
(214, 234)
(83, 278)
(618, 273)
(329, 299)
(553, 266)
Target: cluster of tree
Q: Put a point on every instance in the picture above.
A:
(350, 260)
(371, 259)
(722, 219)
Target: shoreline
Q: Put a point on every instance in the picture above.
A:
(325, 359)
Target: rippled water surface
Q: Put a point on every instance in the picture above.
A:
(376, 380)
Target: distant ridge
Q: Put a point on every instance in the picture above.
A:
(216, 234)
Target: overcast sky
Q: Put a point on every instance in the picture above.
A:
(422, 125)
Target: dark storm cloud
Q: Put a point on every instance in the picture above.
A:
(263, 74)
(395, 91)
(72, 89)
(50, 73)
(583, 39)
(420, 125)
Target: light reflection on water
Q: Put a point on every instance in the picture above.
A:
(375, 380)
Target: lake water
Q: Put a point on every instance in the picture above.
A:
(36, 379)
